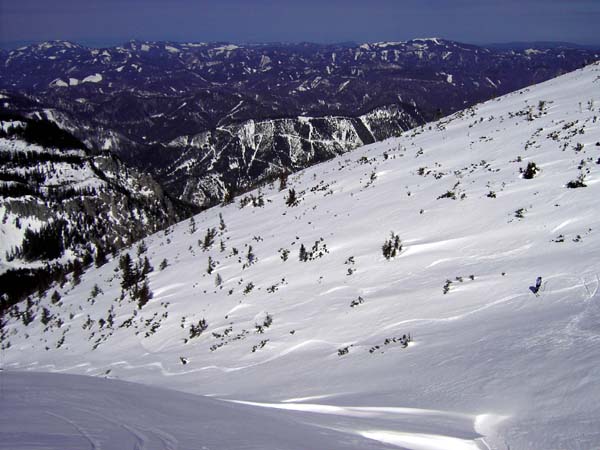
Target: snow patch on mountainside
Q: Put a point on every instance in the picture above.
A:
(96, 78)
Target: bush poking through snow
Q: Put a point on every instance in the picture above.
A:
(318, 250)
(292, 198)
(267, 322)
(448, 194)
(578, 183)
(199, 328)
(343, 351)
(248, 288)
(392, 246)
(530, 171)
(358, 301)
(284, 253)
(446, 287)
(403, 341)
(260, 345)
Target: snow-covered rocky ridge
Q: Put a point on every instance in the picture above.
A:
(486, 359)
(233, 158)
(60, 202)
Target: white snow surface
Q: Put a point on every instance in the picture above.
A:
(96, 78)
(71, 412)
(490, 365)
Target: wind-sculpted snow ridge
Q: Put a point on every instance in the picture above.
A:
(73, 413)
(393, 286)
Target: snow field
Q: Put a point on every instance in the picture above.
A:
(490, 364)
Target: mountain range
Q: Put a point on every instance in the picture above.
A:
(209, 120)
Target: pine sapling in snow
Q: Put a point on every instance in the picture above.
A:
(392, 246)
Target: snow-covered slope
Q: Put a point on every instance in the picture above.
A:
(68, 412)
(263, 326)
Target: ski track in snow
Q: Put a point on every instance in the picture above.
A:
(94, 444)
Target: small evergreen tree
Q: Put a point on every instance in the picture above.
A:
(55, 298)
(110, 319)
(46, 316)
(100, 259)
(77, 271)
(530, 171)
(146, 267)
(28, 316)
(211, 265)
(128, 274)
(209, 238)
(250, 257)
(392, 246)
(292, 199)
(95, 291)
(284, 254)
(302, 254)
(144, 294)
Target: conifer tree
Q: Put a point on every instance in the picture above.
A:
(146, 267)
(291, 199)
(127, 271)
(100, 259)
(144, 294)
(302, 255)
(77, 271)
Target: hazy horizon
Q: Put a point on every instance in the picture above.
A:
(99, 43)
(480, 22)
